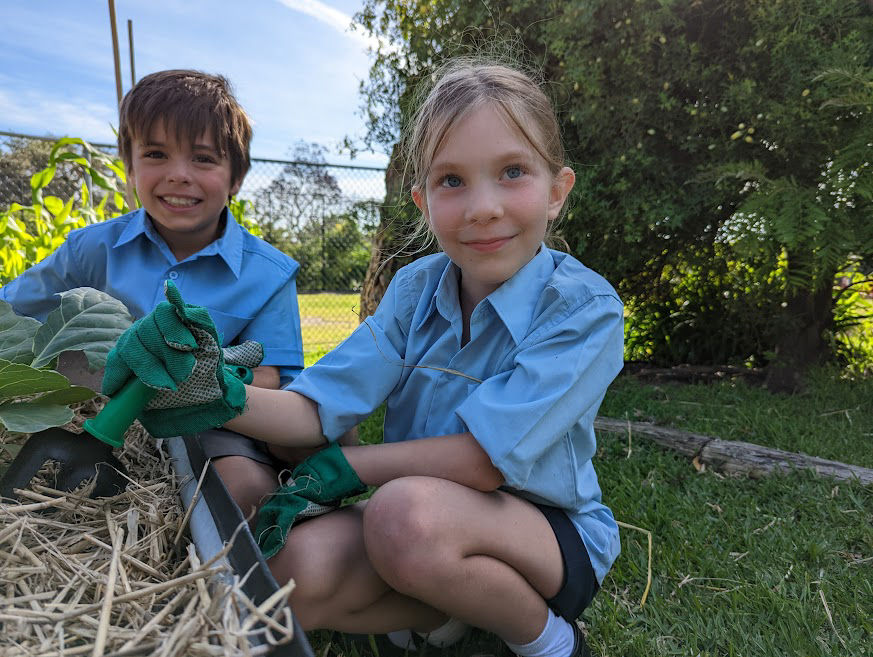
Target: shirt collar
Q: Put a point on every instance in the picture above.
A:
(229, 247)
(513, 302)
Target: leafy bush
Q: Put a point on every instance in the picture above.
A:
(28, 233)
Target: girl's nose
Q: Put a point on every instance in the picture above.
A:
(485, 205)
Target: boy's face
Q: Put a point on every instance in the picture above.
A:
(183, 187)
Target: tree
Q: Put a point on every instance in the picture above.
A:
(304, 191)
(708, 147)
(21, 158)
(333, 251)
(302, 212)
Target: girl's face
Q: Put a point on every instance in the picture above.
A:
(488, 199)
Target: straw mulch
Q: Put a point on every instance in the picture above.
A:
(119, 576)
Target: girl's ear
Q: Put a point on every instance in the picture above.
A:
(420, 200)
(561, 186)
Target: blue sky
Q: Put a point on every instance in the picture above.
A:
(295, 65)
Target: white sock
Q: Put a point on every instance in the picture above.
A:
(446, 634)
(402, 639)
(556, 640)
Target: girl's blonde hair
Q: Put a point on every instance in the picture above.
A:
(464, 85)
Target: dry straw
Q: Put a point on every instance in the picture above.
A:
(120, 576)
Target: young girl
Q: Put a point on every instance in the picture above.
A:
(493, 357)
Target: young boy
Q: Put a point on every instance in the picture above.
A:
(184, 140)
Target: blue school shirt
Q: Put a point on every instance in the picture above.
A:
(248, 286)
(543, 348)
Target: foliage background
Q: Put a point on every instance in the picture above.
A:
(721, 149)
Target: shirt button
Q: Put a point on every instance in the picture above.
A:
(173, 275)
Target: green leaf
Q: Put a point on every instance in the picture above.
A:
(66, 141)
(53, 204)
(16, 335)
(19, 380)
(30, 418)
(42, 178)
(87, 320)
(71, 395)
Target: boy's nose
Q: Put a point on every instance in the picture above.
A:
(178, 172)
(485, 205)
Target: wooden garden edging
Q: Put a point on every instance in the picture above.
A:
(733, 456)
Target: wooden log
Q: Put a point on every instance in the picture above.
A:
(734, 456)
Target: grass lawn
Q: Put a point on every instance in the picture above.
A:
(326, 319)
(775, 566)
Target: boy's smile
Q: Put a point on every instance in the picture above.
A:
(183, 187)
(488, 198)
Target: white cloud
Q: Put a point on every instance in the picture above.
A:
(334, 18)
(33, 112)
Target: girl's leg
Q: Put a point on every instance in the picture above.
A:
(336, 586)
(488, 559)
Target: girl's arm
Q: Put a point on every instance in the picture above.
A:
(286, 418)
(279, 417)
(455, 457)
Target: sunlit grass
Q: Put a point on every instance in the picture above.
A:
(326, 319)
(776, 566)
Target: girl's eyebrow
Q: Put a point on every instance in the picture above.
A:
(521, 154)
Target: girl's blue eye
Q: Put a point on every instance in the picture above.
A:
(451, 181)
(514, 172)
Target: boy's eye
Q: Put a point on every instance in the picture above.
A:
(514, 172)
(450, 181)
(153, 154)
(205, 159)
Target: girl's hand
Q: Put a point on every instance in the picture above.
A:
(318, 485)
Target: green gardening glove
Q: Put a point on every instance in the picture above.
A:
(317, 485)
(176, 349)
(282, 510)
(326, 477)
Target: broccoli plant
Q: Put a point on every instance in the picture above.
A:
(33, 396)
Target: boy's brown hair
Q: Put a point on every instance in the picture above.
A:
(189, 103)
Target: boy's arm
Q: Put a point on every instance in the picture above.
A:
(32, 293)
(266, 376)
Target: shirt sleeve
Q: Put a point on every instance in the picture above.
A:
(560, 374)
(32, 294)
(277, 328)
(353, 380)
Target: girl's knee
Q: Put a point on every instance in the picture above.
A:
(401, 510)
(402, 530)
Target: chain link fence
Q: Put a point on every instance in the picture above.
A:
(323, 215)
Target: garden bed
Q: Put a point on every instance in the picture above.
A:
(122, 576)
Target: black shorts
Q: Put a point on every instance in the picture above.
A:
(223, 442)
(580, 583)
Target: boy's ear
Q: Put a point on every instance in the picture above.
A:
(561, 186)
(234, 188)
